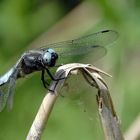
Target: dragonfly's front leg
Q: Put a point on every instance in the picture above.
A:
(52, 77)
(49, 73)
(43, 79)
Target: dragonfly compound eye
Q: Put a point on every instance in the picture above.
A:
(54, 57)
(46, 58)
(49, 58)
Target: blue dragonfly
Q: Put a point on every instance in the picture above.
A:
(42, 59)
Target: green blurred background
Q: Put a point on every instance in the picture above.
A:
(30, 24)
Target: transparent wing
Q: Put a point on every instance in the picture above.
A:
(3, 95)
(91, 44)
(11, 92)
(7, 93)
(7, 87)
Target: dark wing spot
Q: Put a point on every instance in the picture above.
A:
(105, 31)
(95, 46)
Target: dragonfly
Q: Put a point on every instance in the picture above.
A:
(46, 57)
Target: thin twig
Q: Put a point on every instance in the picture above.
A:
(42, 117)
(133, 133)
(91, 74)
(45, 109)
(109, 119)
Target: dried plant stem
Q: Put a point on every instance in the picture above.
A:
(107, 113)
(109, 119)
(42, 117)
(133, 133)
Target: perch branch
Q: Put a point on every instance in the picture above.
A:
(106, 110)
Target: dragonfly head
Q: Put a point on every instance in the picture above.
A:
(49, 57)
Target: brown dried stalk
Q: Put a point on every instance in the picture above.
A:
(133, 132)
(91, 74)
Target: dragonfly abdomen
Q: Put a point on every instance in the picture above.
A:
(5, 78)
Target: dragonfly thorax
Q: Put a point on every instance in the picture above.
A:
(49, 58)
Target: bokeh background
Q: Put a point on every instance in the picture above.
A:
(30, 24)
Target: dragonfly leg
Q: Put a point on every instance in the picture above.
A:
(43, 79)
(52, 77)
(45, 82)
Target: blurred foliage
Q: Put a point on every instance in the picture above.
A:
(22, 21)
